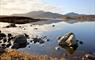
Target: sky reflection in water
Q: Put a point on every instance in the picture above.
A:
(84, 31)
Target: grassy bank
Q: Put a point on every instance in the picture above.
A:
(16, 55)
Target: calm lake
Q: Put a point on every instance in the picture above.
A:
(84, 31)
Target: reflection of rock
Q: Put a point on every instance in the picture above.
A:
(68, 42)
(20, 41)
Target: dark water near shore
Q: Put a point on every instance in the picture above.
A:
(84, 31)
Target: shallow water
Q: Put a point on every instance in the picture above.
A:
(84, 31)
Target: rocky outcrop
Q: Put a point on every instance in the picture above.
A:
(68, 42)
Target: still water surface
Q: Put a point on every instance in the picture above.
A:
(84, 31)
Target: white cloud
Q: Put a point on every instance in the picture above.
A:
(8, 7)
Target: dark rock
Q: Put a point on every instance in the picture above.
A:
(4, 40)
(39, 40)
(20, 41)
(80, 42)
(27, 36)
(48, 39)
(29, 46)
(0, 42)
(77, 40)
(10, 38)
(31, 41)
(2, 35)
(0, 31)
(35, 28)
(8, 45)
(11, 25)
(3, 46)
(53, 25)
(9, 35)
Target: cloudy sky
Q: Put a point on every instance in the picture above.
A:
(8, 7)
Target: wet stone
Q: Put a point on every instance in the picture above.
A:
(20, 41)
(2, 35)
(68, 42)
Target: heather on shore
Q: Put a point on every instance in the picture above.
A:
(12, 54)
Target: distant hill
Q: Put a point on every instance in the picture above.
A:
(40, 14)
(50, 15)
(72, 14)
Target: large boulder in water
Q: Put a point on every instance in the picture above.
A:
(68, 41)
(20, 41)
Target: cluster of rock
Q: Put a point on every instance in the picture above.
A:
(8, 40)
(19, 41)
(39, 40)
